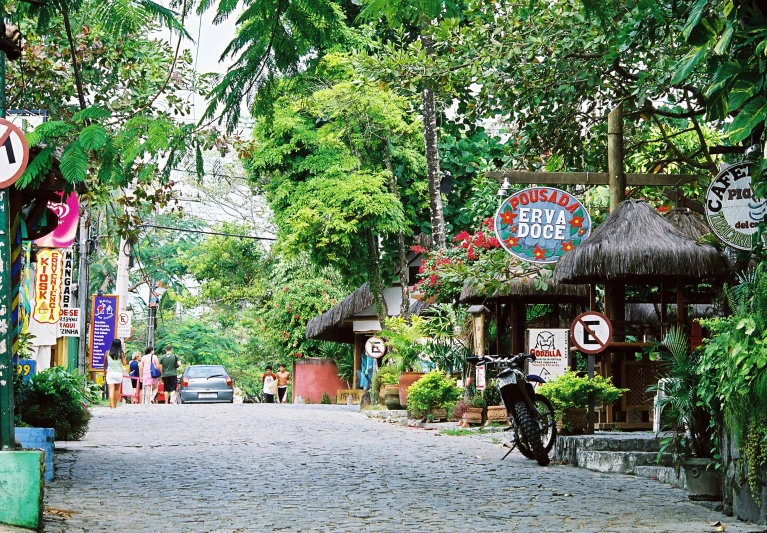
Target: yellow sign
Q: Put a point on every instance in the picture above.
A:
(47, 308)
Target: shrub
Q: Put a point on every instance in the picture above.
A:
(325, 399)
(433, 391)
(386, 375)
(569, 391)
(456, 413)
(55, 398)
(478, 401)
(492, 396)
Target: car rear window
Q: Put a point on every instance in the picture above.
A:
(205, 371)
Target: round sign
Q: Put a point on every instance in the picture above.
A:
(591, 332)
(731, 209)
(14, 153)
(375, 347)
(540, 224)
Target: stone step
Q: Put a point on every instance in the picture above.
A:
(664, 474)
(617, 462)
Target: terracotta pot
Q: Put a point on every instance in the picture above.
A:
(391, 396)
(381, 394)
(405, 380)
(473, 415)
(575, 422)
(438, 414)
(497, 413)
(703, 480)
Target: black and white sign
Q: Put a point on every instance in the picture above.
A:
(375, 347)
(551, 350)
(14, 153)
(481, 381)
(591, 332)
(124, 321)
(69, 322)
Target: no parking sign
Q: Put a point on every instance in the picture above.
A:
(591, 332)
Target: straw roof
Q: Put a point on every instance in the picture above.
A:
(688, 223)
(635, 243)
(524, 288)
(329, 325)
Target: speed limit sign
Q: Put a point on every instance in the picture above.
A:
(591, 332)
(375, 347)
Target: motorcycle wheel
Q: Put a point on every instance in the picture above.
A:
(531, 433)
(548, 428)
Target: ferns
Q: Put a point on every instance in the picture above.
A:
(74, 163)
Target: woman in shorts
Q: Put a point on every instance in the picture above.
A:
(113, 371)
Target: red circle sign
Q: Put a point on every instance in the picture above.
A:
(591, 332)
(375, 347)
(14, 153)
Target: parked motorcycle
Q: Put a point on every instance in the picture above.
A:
(533, 428)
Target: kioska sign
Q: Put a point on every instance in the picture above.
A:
(540, 224)
(731, 209)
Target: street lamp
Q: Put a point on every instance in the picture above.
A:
(503, 192)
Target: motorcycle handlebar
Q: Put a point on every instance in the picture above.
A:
(489, 359)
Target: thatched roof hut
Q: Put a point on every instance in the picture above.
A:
(524, 288)
(688, 222)
(329, 325)
(636, 243)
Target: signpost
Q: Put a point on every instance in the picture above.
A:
(375, 347)
(591, 333)
(68, 212)
(69, 323)
(731, 209)
(124, 320)
(48, 284)
(551, 350)
(481, 381)
(14, 153)
(103, 328)
(26, 368)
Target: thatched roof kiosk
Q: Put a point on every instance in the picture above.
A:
(329, 326)
(688, 222)
(636, 244)
(518, 292)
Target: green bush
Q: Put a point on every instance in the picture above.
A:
(492, 395)
(569, 391)
(435, 390)
(55, 398)
(325, 399)
(478, 401)
(386, 375)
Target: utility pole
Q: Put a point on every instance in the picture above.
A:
(83, 291)
(152, 316)
(7, 434)
(123, 273)
(617, 177)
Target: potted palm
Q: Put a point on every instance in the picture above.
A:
(569, 395)
(688, 417)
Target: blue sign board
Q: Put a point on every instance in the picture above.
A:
(26, 368)
(103, 328)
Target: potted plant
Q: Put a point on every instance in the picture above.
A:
(475, 412)
(432, 395)
(688, 416)
(569, 395)
(404, 340)
(496, 412)
(386, 382)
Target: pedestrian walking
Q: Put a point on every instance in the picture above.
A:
(170, 364)
(113, 371)
(270, 385)
(150, 370)
(283, 378)
(133, 371)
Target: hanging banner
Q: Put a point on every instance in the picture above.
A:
(68, 212)
(731, 209)
(103, 328)
(551, 350)
(47, 308)
(69, 323)
(540, 224)
(481, 381)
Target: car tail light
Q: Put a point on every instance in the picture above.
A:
(185, 382)
(228, 381)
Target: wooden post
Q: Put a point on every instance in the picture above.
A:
(359, 346)
(498, 328)
(681, 310)
(479, 334)
(591, 360)
(517, 327)
(617, 177)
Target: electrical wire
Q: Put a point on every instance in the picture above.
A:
(156, 226)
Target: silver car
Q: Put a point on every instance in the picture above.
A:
(206, 384)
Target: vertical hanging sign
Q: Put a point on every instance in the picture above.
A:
(69, 323)
(47, 309)
(103, 328)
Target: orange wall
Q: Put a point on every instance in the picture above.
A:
(313, 376)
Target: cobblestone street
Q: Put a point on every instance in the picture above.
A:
(233, 468)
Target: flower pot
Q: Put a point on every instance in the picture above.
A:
(497, 413)
(382, 394)
(703, 480)
(405, 380)
(391, 397)
(40, 439)
(473, 415)
(438, 414)
(574, 422)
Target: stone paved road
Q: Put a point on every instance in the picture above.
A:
(233, 468)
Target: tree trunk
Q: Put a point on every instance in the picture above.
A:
(431, 136)
(374, 277)
(404, 310)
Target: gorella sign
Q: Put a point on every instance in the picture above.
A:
(732, 211)
(539, 224)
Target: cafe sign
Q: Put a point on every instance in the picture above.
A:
(540, 224)
(731, 209)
